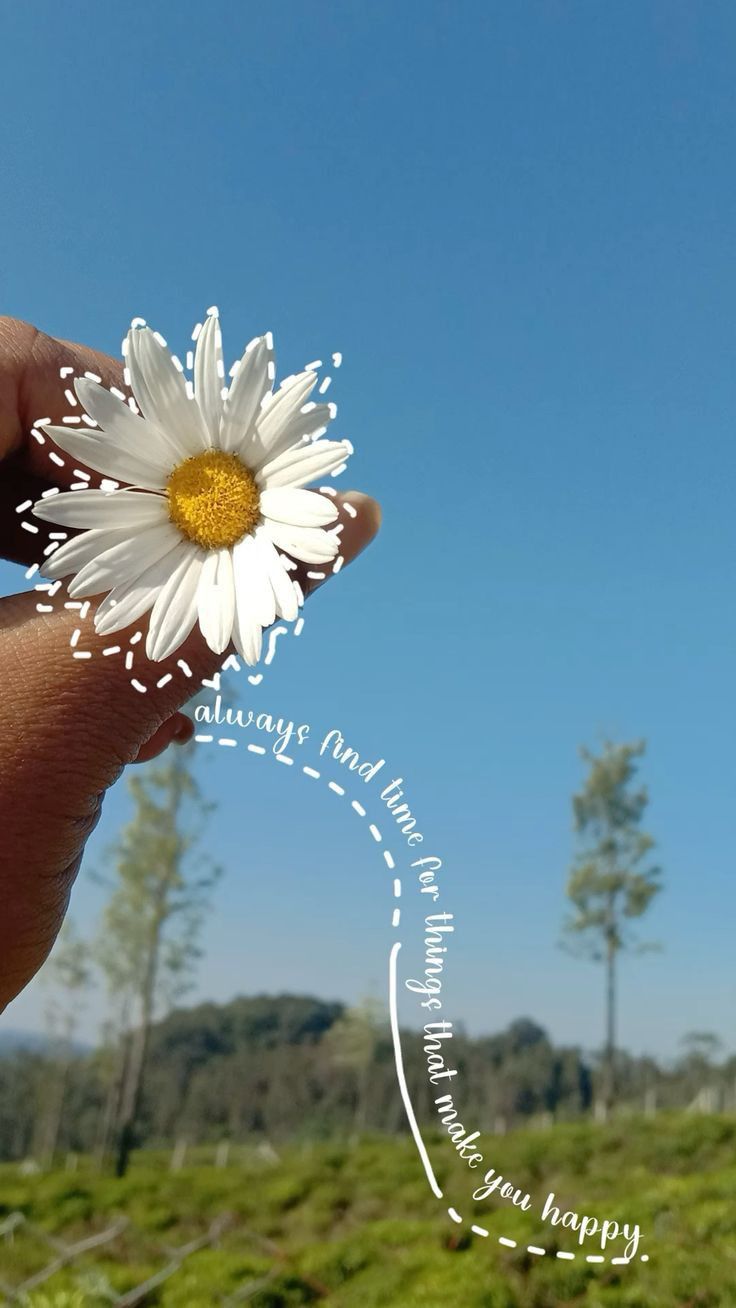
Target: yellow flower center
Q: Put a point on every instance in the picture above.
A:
(213, 499)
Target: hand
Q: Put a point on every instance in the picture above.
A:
(68, 726)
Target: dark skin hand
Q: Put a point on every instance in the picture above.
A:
(68, 727)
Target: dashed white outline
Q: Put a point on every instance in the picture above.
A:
(67, 373)
(454, 1215)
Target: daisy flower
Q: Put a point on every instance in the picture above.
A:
(215, 499)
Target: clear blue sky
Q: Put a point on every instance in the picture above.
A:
(517, 223)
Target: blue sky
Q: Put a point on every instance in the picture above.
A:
(517, 224)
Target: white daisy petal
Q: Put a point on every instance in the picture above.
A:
(175, 610)
(209, 376)
(294, 431)
(216, 600)
(128, 602)
(297, 467)
(142, 383)
(97, 508)
(122, 563)
(75, 554)
(107, 455)
(301, 508)
(309, 544)
(285, 595)
(275, 416)
(128, 430)
(254, 597)
(248, 638)
(250, 384)
(161, 393)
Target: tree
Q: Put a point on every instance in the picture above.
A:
(611, 882)
(701, 1075)
(701, 1048)
(68, 973)
(352, 1042)
(149, 943)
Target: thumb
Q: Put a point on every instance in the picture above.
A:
(67, 728)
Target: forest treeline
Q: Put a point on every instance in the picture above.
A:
(294, 1067)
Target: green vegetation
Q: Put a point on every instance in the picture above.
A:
(273, 1164)
(360, 1228)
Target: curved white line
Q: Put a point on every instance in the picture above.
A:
(399, 1060)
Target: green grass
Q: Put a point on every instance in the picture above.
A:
(359, 1226)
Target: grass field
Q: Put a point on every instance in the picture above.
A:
(358, 1226)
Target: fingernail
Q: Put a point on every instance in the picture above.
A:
(368, 508)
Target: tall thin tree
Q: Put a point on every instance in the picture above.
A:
(149, 940)
(611, 882)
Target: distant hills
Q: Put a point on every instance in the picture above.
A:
(12, 1041)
